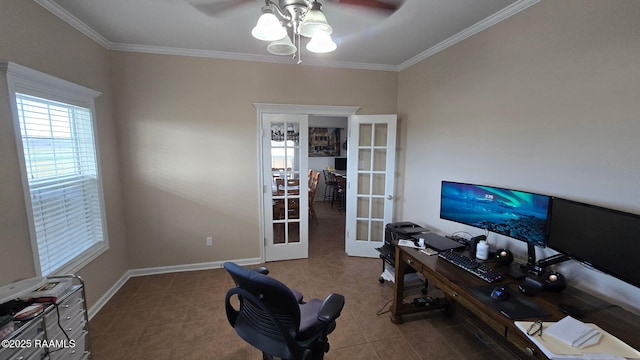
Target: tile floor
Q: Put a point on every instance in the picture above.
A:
(181, 315)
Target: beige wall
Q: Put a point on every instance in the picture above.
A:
(188, 133)
(34, 38)
(546, 101)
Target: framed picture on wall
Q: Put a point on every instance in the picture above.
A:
(324, 141)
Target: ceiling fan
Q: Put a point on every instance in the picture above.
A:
(285, 23)
(213, 8)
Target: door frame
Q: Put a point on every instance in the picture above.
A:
(267, 108)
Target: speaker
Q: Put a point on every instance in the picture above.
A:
(504, 257)
(554, 281)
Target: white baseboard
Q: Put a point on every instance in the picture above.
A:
(160, 270)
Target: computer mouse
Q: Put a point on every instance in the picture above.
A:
(500, 293)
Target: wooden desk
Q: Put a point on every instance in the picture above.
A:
(455, 282)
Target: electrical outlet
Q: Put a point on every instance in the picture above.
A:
(209, 241)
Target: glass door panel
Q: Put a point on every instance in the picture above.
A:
(364, 183)
(363, 207)
(364, 159)
(377, 208)
(378, 185)
(366, 135)
(285, 154)
(379, 160)
(380, 135)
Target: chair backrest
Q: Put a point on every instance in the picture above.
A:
(329, 178)
(269, 315)
(313, 181)
(341, 181)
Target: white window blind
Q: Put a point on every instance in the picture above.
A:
(60, 161)
(53, 123)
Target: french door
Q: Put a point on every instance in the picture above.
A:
(370, 182)
(284, 156)
(286, 186)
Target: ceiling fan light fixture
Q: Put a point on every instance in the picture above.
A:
(321, 43)
(283, 46)
(304, 18)
(268, 27)
(315, 21)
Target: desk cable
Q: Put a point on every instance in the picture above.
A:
(61, 328)
(381, 312)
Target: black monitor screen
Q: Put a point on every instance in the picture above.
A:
(517, 214)
(608, 240)
(341, 164)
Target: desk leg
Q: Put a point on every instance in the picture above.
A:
(398, 289)
(398, 307)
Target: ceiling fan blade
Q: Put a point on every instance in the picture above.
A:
(369, 3)
(218, 7)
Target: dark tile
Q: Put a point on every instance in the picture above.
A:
(181, 315)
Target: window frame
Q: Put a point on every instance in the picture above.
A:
(23, 80)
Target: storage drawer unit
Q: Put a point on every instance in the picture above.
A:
(21, 343)
(60, 332)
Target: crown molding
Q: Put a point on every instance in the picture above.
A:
(501, 15)
(327, 110)
(67, 17)
(247, 57)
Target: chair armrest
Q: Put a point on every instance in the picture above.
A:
(331, 308)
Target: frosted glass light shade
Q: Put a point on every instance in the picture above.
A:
(314, 22)
(268, 28)
(283, 46)
(321, 43)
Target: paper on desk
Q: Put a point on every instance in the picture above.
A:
(388, 275)
(609, 347)
(409, 243)
(411, 280)
(574, 332)
(585, 357)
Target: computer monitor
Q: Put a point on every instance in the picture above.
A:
(606, 239)
(517, 214)
(513, 213)
(340, 164)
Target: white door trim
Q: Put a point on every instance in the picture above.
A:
(266, 108)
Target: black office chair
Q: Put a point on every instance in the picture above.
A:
(271, 318)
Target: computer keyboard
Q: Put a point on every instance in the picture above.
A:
(478, 269)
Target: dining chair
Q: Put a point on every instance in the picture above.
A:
(292, 186)
(330, 183)
(313, 186)
(339, 193)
